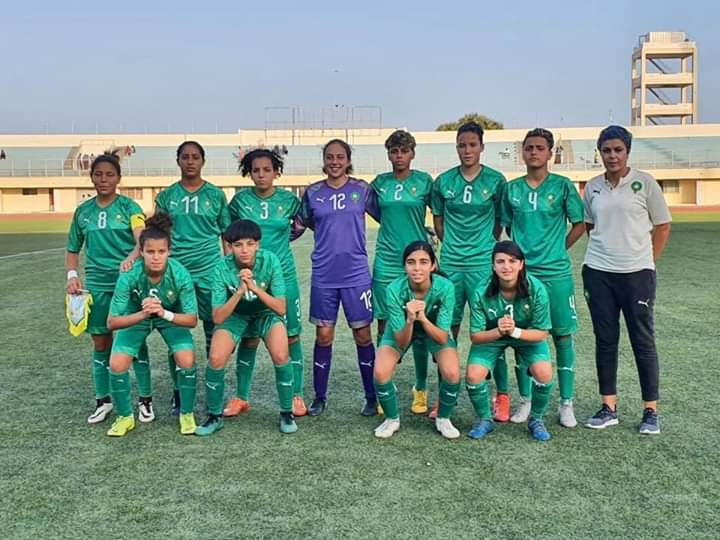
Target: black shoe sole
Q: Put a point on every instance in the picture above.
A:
(317, 411)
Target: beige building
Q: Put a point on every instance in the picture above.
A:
(48, 173)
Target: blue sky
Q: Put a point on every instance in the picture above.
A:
(202, 66)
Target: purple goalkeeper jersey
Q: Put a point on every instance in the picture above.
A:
(337, 217)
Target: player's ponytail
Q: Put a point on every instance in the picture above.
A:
(107, 157)
(157, 227)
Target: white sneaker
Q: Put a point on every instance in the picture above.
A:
(145, 411)
(387, 428)
(446, 429)
(100, 413)
(567, 413)
(522, 413)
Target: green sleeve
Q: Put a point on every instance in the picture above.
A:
(121, 297)
(224, 219)
(395, 311)
(219, 294)
(188, 300)
(76, 238)
(444, 318)
(160, 202)
(478, 322)
(540, 309)
(277, 280)
(437, 202)
(295, 204)
(233, 207)
(499, 195)
(506, 211)
(574, 209)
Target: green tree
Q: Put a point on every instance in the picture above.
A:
(484, 121)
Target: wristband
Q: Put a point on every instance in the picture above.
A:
(169, 316)
(72, 274)
(516, 333)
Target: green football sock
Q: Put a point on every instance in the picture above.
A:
(500, 374)
(215, 389)
(448, 398)
(540, 398)
(284, 385)
(187, 384)
(387, 396)
(120, 390)
(172, 368)
(101, 373)
(143, 377)
(208, 329)
(420, 357)
(480, 399)
(565, 350)
(244, 369)
(523, 379)
(297, 359)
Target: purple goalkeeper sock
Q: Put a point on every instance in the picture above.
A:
(366, 363)
(322, 357)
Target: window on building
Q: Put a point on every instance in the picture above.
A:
(670, 186)
(133, 193)
(29, 191)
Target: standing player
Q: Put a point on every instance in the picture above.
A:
(200, 215)
(535, 210)
(248, 298)
(335, 208)
(511, 311)
(419, 307)
(156, 294)
(108, 225)
(403, 197)
(466, 212)
(274, 209)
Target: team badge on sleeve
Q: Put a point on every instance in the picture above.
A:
(77, 311)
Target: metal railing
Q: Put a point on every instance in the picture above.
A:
(363, 166)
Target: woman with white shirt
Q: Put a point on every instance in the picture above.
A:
(628, 223)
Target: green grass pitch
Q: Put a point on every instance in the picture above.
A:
(61, 478)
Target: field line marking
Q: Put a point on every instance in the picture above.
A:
(24, 253)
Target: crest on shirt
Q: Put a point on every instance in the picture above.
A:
(170, 295)
(636, 186)
(354, 196)
(207, 204)
(413, 190)
(118, 218)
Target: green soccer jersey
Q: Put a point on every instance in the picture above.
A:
(175, 290)
(274, 215)
(538, 220)
(528, 312)
(199, 218)
(403, 206)
(267, 274)
(107, 234)
(469, 211)
(439, 303)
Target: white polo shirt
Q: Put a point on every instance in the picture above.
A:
(623, 219)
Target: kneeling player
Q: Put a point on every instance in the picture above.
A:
(248, 294)
(512, 310)
(419, 307)
(157, 293)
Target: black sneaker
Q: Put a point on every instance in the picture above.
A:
(175, 403)
(605, 417)
(370, 408)
(317, 407)
(650, 424)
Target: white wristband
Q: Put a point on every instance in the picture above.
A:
(72, 274)
(516, 333)
(169, 316)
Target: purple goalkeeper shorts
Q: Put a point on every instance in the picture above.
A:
(356, 302)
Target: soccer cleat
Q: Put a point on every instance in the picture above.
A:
(387, 428)
(213, 423)
(317, 407)
(187, 424)
(522, 413)
(370, 407)
(236, 406)
(605, 417)
(102, 409)
(481, 428)
(122, 426)
(538, 430)
(433, 412)
(419, 403)
(175, 403)
(298, 407)
(146, 413)
(287, 423)
(446, 429)
(501, 408)
(650, 424)
(567, 413)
